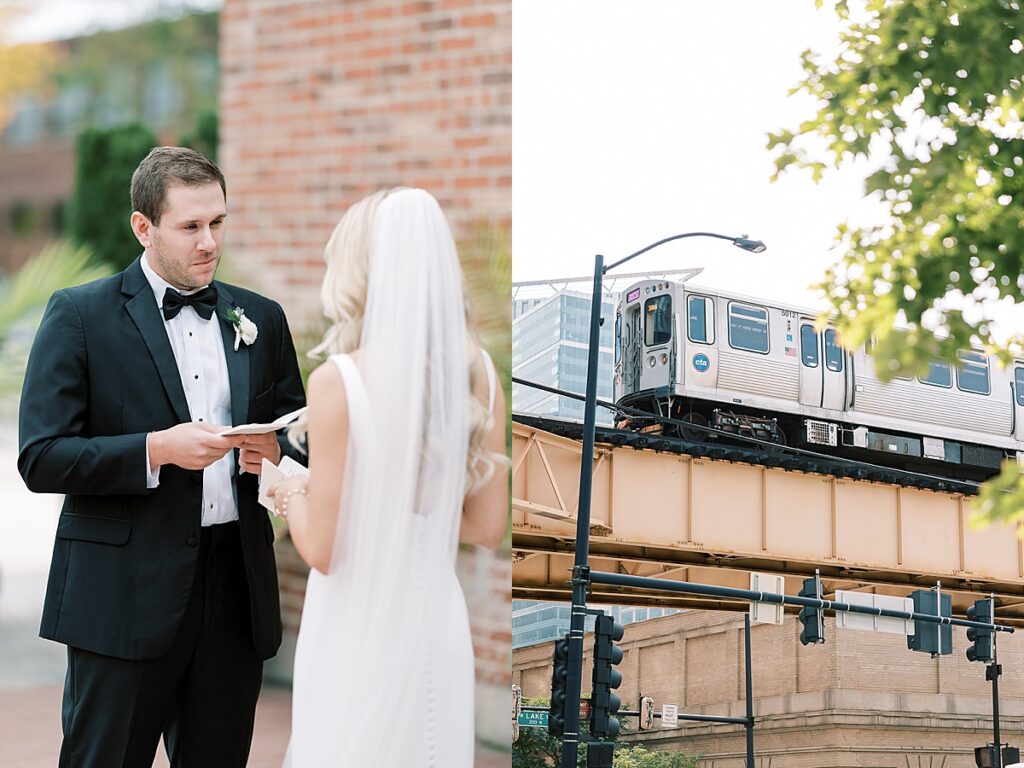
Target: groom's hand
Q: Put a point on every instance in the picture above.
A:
(255, 448)
(192, 445)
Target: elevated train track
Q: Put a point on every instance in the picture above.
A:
(677, 509)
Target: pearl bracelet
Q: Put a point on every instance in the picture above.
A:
(282, 509)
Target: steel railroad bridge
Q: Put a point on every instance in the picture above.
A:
(675, 509)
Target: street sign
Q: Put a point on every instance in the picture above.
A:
(669, 716)
(766, 613)
(862, 621)
(529, 718)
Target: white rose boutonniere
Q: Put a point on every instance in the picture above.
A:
(245, 329)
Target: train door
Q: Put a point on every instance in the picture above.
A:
(1018, 401)
(657, 371)
(810, 364)
(833, 372)
(823, 368)
(699, 355)
(632, 351)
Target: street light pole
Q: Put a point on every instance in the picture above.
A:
(581, 565)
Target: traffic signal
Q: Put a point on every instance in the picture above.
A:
(936, 639)
(981, 639)
(646, 713)
(811, 618)
(604, 703)
(600, 754)
(559, 673)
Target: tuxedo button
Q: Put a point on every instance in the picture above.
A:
(193, 541)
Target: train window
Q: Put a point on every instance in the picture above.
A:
(808, 346)
(700, 319)
(657, 320)
(1018, 384)
(973, 373)
(748, 328)
(939, 375)
(833, 352)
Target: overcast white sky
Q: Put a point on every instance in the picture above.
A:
(633, 121)
(58, 19)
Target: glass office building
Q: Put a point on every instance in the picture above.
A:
(538, 622)
(549, 346)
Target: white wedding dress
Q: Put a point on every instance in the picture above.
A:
(384, 671)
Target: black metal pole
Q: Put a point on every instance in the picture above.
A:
(994, 669)
(750, 691)
(711, 590)
(998, 757)
(581, 566)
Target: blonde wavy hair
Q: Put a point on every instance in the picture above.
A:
(343, 294)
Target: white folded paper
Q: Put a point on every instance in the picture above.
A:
(262, 429)
(271, 475)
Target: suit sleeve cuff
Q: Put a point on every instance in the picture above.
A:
(152, 476)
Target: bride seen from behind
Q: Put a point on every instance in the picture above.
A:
(406, 439)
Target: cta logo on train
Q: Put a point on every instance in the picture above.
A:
(759, 369)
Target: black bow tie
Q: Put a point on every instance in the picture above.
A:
(204, 302)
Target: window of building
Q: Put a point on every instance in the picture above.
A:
(748, 328)
(833, 352)
(657, 320)
(1018, 384)
(973, 373)
(939, 375)
(808, 346)
(700, 319)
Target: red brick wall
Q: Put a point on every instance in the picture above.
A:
(325, 101)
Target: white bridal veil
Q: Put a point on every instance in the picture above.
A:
(368, 689)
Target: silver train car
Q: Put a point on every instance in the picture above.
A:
(759, 369)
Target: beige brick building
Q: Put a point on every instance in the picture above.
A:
(861, 699)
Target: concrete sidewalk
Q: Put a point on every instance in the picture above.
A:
(32, 670)
(30, 730)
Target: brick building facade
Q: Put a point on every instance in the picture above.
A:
(861, 699)
(325, 101)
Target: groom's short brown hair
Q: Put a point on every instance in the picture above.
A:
(164, 167)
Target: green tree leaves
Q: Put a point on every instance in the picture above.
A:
(929, 92)
(101, 207)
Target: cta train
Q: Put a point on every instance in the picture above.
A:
(757, 368)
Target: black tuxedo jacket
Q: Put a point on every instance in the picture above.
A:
(101, 375)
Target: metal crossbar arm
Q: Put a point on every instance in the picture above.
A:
(624, 580)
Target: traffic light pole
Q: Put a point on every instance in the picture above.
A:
(710, 590)
(581, 565)
(750, 691)
(992, 672)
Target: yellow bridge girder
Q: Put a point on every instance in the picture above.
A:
(714, 521)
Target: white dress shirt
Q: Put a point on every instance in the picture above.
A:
(199, 352)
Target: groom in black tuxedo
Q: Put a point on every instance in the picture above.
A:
(162, 584)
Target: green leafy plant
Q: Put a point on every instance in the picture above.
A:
(23, 297)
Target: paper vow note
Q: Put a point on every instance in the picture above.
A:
(271, 476)
(262, 429)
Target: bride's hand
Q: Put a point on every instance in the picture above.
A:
(283, 492)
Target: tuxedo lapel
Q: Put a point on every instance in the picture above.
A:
(144, 312)
(238, 360)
